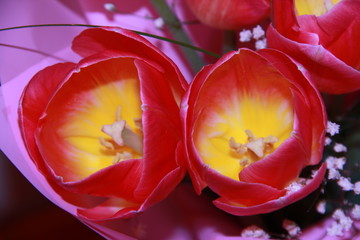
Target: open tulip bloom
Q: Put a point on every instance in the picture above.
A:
(106, 131)
(323, 38)
(252, 123)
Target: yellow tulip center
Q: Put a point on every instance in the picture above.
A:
(94, 120)
(107, 129)
(314, 7)
(249, 128)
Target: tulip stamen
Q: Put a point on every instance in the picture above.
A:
(107, 144)
(255, 148)
(122, 156)
(121, 135)
(138, 123)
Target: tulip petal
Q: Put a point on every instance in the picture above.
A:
(32, 104)
(241, 193)
(224, 14)
(317, 110)
(117, 181)
(92, 41)
(160, 122)
(275, 204)
(341, 25)
(113, 208)
(319, 56)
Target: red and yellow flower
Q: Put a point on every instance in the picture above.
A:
(252, 123)
(230, 14)
(322, 36)
(105, 132)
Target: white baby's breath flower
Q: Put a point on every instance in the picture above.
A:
(321, 207)
(332, 128)
(260, 44)
(345, 184)
(258, 32)
(254, 232)
(245, 35)
(338, 147)
(291, 227)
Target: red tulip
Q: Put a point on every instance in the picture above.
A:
(252, 123)
(105, 132)
(326, 45)
(230, 14)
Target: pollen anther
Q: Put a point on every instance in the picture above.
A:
(254, 150)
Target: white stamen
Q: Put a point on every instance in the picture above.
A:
(115, 131)
(106, 144)
(257, 146)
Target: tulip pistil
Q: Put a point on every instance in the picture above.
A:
(255, 149)
(124, 142)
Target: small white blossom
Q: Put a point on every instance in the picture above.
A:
(258, 32)
(291, 227)
(338, 214)
(159, 23)
(335, 229)
(245, 35)
(330, 162)
(345, 184)
(339, 163)
(321, 207)
(296, 185)
(342, 223)
(334, 174)
(335, 163)
(332, 128)
(254, 232)
(260, 44)
(338, 147)
(357, 187)
(110, 7)
(346, 223)
(355, 212)
(327, 141)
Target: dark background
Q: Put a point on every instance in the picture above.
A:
(26, 214)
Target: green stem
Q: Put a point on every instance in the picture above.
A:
(175, 27)
(184, 44)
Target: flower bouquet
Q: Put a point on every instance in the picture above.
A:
(188, 119)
